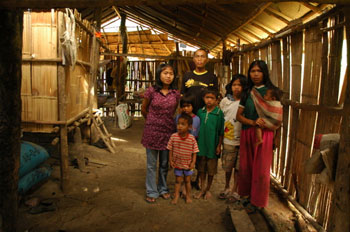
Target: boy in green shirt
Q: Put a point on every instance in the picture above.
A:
(210, 139)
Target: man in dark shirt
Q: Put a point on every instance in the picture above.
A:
(194, 82)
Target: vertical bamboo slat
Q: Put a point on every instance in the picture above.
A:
(286, 89)
(296, 50)
(312, 69)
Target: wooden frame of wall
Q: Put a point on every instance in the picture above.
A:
(309, 78)
(54, 95)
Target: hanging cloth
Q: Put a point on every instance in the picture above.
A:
(270, 111)
(69, 47)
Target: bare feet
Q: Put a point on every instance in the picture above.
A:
(199, 195)
(188, 200)
(174, 201)
(207, 195)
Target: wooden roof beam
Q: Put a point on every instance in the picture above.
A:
(242, 37)
(138, 33)
(166, 47)
(155, 24)
(251, 34)
(150, 25)
(214, 23)
(180, 26)
(311, 7)
(279, 17)
(149, 41)
(261, 28)
(46, 4)
(264, 26)
(256, 14)
(188, 22)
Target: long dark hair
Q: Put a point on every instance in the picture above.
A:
(265, 70)
(243, 81)
(266, 78)
(159, 84)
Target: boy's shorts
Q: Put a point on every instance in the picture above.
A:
(183, 172)
(230, 158)
(207, 165)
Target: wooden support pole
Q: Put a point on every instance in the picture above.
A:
(341, 209)
(10, 116)
(62, 116)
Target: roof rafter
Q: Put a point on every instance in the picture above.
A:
(279, 17)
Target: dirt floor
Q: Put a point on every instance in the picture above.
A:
(109, 196)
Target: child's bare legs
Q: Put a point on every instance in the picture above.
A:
(188, 189)
(202, 176)
(207, 190)
(179, 180)
(224, 193)
(235, 182)
(183, 189)
(258, 133)
(233, 197)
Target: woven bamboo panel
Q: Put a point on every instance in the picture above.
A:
(77, 82)
(44, 35)
(83, 44)
(264, 54)
(39, 79)
(285, 126)
(305, 134)
(26, 88)
(27, 107)
(44, 79)
(27, 34)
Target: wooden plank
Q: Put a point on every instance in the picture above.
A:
(342, 185)
(241, 220)
(286, 90)
(312, 69)
(296, 50)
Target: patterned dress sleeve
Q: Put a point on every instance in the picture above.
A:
(149, 93)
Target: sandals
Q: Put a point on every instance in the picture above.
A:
(224, 194)
(233, 198)
(250, 209)
(150, 200)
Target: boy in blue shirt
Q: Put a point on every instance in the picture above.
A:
(186, 105)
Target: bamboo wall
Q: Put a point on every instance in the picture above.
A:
(42, 56)
(306, 66)
(142, 74)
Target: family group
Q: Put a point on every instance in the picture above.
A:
(239, 129)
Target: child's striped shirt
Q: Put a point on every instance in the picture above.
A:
(182, 148)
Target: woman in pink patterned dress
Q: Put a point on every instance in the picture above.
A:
(158, 108)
